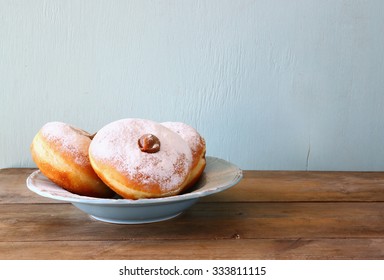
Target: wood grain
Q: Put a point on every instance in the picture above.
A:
(268, 215)
(255, 249)
(210, 221)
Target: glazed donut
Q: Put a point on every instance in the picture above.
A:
(140, 158)
(60, 151)
(197, 146)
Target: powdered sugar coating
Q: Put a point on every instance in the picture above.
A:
(68, 139)
(117, 145)
(188, 133)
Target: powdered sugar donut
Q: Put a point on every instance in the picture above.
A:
(197, 145)
(140, 158)
(60, 151)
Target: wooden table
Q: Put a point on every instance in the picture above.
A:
(268, 215)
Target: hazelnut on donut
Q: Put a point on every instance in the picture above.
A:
(140, 158)
(60, 151)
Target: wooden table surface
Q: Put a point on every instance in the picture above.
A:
(268, 215)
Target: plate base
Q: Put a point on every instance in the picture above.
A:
(134, 222)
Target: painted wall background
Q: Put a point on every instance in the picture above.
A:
(274, 84)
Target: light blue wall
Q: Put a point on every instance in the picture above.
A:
(274, 84)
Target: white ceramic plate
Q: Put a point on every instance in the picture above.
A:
(218, 176)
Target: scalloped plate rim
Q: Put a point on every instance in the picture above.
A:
(236, 173)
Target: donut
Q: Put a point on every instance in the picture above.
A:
(60, 151)
(139, 158)
(197, 145)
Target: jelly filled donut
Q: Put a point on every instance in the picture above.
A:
(60, 151)
(197, 146)
(140, 158)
